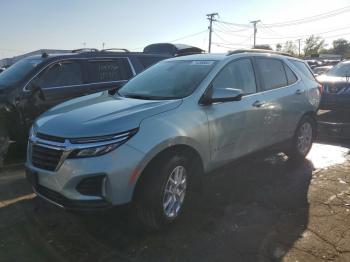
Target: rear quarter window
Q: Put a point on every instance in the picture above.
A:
(109, 70)
(303, 68)
(291, 77)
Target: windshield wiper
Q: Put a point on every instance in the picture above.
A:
(145, 97)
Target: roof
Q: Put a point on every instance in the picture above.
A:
(215, 57)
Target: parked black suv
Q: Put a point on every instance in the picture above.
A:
(34, 84)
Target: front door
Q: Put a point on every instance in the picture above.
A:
(236, 127)
(58, 82)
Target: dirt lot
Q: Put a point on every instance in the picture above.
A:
(258, 210)
(270, 210)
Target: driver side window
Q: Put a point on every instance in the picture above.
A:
(65, 73)
(239, 75)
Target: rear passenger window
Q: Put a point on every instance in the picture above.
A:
(303, 68)
(109, 70)
(291, 77)
(237, 74)
(272, 73)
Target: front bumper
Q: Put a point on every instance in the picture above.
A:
(60, 186)
(61, 201)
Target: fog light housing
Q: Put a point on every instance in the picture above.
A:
(92, 186)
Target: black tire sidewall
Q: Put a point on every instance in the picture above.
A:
(294, 152)
(153, 188)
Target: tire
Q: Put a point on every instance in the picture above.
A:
(303, 139)
(159, 187)
(4, 146)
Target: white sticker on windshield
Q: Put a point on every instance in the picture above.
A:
(206, 63)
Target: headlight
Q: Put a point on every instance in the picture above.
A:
(97, 146)
(94, 151)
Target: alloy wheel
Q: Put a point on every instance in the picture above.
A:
(174, 192)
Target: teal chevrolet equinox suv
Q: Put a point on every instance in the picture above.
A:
(153, 141)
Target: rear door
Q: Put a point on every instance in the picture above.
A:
(236, 127)
(107, 73)
(283, 99)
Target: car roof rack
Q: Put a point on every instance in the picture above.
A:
(172, 49)
(262, 51)
(81, 50)
(115, 49)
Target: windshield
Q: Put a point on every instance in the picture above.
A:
(341, 70)
(168, 80)
(17, 71)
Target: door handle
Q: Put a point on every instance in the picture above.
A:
(258, 103)
(299, 92)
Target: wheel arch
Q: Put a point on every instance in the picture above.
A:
(181, 149)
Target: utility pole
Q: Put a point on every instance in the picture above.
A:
(299, 45)
(84, 44)
(103, 45)
(210, 17)
(255, 30)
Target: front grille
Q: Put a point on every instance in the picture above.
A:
(50, 138)
(45, 158)
(52, 195)
(68, 203)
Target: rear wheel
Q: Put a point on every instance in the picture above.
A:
(162, 196)
(303, 138)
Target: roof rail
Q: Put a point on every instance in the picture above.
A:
(81, 50)
(115, 49)
(263, 51)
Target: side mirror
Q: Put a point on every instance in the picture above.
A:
(37, 89)
(220, 95)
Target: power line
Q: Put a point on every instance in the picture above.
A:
(223, 39)
(234, 24)
(306, 35)
(227, 29)
(188, 36)
(311, 18)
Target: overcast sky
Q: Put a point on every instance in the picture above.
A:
(28, 25)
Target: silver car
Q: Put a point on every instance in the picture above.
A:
(153, 141)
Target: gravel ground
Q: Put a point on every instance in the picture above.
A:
(257, 210)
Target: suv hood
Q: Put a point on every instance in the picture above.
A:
(98, 115)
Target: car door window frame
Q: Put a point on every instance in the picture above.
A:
(62, 62)
(257, 83)
(26, 90)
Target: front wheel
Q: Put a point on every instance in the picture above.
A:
(303, 138)
(164, 193)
